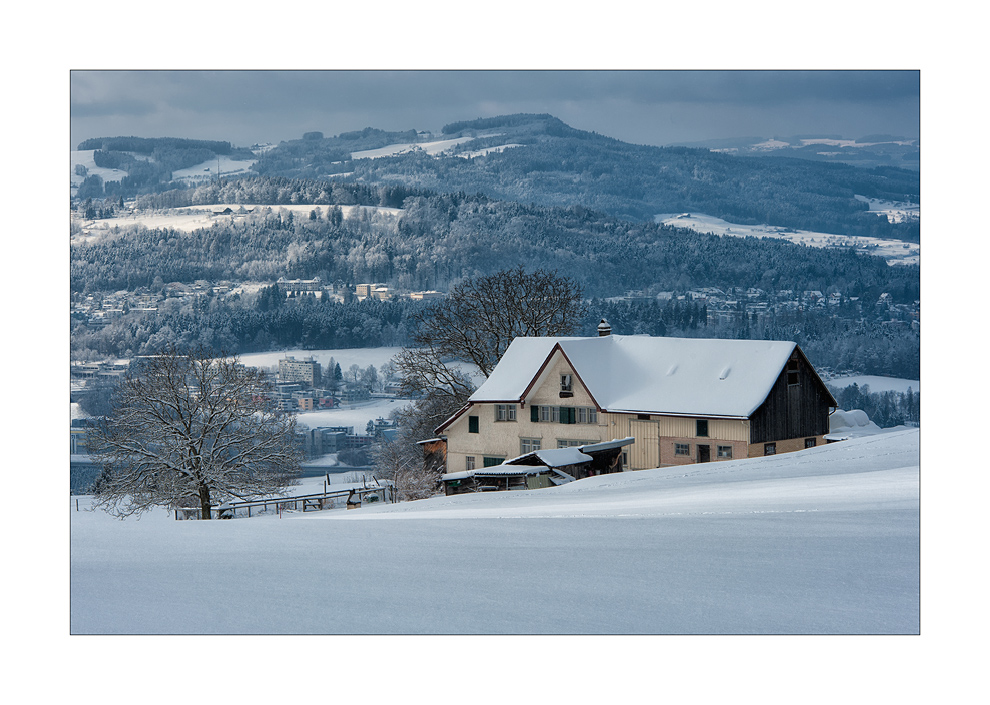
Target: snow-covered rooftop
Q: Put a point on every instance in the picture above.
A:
(641, 374)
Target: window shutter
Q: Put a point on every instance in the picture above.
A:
(472, 424)
(534, 414)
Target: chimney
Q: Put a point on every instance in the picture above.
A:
(604, 328)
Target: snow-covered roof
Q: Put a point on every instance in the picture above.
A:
(554, 457)
(642, 374)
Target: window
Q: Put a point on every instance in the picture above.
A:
(682, 449)
(528, 445)
(563, 414)
(505, 412)
(587, 414)
(724, 452)
(469, 462)
(472, 424)
(702, 428)
(566, 443)
(792, 372)
(491, 461)
(810, 442)
(769, 449)
(566, 386)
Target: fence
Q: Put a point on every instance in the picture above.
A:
(304, 503)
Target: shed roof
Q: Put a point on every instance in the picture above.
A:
(642, 374)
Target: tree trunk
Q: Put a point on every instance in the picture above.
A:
(204, 502)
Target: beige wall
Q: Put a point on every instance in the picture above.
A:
(655, 437)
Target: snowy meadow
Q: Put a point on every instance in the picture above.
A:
(822, 541)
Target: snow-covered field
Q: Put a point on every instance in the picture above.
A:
(394, 149)
(487, 150)
(362, 357)
(825, 540)
(357, 414)
(876, 383)
(85, 158)
(896, 211)
(894, 251)
(196, 217)
(209, 169)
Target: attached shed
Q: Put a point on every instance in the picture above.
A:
(541, 468)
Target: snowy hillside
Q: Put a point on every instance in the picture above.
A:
(825, 540)
(196, 217)
(894, 251)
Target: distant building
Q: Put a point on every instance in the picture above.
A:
(307, 371)
(299, 286)
(425, 295)
(366, 291)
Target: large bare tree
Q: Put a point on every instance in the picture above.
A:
(472, 327)
(192, 428)
(479, 318)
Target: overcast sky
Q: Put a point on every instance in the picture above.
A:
(644, 107)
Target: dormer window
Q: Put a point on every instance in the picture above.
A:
(566, 386)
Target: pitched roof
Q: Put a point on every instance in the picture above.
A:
(641, 374)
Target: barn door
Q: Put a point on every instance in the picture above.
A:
(645, 452)
(704, 453)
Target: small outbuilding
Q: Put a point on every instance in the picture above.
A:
(541, 468)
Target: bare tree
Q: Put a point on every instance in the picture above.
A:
(474, 324)
(402, 460)
(192, 428)
(480, 317)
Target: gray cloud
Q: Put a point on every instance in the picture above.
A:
(652, 107)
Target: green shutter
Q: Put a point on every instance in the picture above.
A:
(472, 424)
(568, 414)
(534, 414)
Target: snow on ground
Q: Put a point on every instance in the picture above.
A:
(85, 158)
(876, 383)
(825, 540)
(894, 251)
(208, 169)
(203, 216)
(843, 425)
(393, 149)
(356, 414)
(487, 150)
(362, 357)
(896, 211)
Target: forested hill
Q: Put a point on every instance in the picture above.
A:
(537, 159)
(441, 238)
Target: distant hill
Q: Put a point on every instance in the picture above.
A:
(538, 159)
(869, 151)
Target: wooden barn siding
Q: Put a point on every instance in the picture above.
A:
(792, 412)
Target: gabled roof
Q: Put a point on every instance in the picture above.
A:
(642, 374)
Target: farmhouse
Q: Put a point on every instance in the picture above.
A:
(681, 400)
